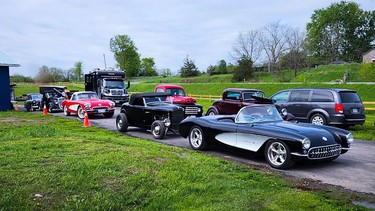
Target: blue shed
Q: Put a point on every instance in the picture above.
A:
(5, 63)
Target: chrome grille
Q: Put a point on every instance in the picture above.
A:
(191, 110)
(324, 152)
(117, 91)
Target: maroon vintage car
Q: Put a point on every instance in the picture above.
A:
(233, 100)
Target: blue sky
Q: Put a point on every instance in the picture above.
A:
(58, 33)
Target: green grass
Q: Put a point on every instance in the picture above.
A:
(77, 168)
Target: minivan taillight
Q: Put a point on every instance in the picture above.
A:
(339, 108)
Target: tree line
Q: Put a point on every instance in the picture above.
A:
(341, 32)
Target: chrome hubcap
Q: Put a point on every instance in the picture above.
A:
(317, 120)
(156, 130)
(119, 123)
(211, 113)
(196, 138)
(277, 154)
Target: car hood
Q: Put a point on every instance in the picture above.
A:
(318, 136)
(96, 102)
(181, 100)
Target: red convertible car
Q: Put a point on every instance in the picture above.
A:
(88, 102)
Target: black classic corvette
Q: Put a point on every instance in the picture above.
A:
(150, 111)
(261, 128)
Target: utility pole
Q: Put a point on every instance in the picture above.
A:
(105, 63)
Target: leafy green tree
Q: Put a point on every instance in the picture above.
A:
(244, 70)
(148, 67)
(20, 78)
(126, 54)
(341, 31)
(211, 70)
(78, 71)
(165, 72)
(189, 69)
(222, 67)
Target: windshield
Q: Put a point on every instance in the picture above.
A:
(84, 96)
(248, 95)
(175, 92)
(154, 100)
(114, 84)
(36, 97)
(256, 114)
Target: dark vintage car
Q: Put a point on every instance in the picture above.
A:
(150, 111)
(233, 100)
(261, 129)
(33, 102)
(53, 97)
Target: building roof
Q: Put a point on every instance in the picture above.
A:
(5, 60)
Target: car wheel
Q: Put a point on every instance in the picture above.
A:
(122, 122)
(50, 110)
(66, 112)
(108, 115)
(318, 119)
(278, 155)
(158, 129)
(211, 112)
(80, 112)
(196, 138)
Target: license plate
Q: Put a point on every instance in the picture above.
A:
(355, 110)
(117, 101)
(101, 110)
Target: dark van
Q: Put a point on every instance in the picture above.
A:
(322, 106)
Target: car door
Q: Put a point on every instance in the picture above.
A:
(248, 140)
(231, 103)
(281, 98)
(298, 104)
(136, 112)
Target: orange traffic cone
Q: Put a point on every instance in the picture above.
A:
(86, 122)
(16, 108)
(45, 110)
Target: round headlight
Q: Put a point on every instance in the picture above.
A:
(199, 110)
(112, 104)
(87, 105)
(167, 122)
(306, 143)
(350, 138)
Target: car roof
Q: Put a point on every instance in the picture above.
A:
(332, 89)
(242, 90)
(142, 95)
(168, 86)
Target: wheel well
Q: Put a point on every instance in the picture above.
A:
(319, 112)
(213, 108)
(294, 146)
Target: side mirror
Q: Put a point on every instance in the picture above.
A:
(284, 112)
(287, 116)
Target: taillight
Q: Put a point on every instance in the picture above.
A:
(339, 108)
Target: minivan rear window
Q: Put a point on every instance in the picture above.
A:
(349, 97)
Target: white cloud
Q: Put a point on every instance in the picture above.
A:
(57, 33)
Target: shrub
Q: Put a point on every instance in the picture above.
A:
(367, 72)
